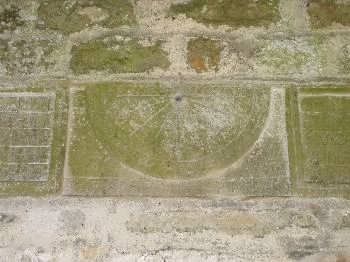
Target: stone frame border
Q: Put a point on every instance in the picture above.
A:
(299, 186)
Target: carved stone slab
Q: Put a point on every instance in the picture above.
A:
(31, 140)
(319, 140)
(171, 140)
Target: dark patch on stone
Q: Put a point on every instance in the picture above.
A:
(6, 218)
(324, 13)
(345, 221)
(178, 97)
(297, 248)
(72, 220)
(10, 18)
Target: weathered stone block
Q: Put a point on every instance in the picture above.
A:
(74, 16)
(203, 54)
(160, 140)
(312, 56)
(32, 129)
(235, 13)
(319, 141)
(324, 13)
(118, 54)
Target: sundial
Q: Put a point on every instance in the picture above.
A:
(176, 132)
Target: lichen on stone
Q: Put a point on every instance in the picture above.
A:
(24, 56)
(73, 16)
(285, 57)
(234, 13)
(203, 54)
(117, 56)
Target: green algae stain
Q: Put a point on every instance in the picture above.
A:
(118, 57)
(234, 13)
(74, 16)
(323, 13)
(10, 18)
(203, 54)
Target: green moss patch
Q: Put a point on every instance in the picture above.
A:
(203, 54)
(73, 16)
(234, 13)
(117, 57)
(323, 13)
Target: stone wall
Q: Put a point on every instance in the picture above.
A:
(231, 100)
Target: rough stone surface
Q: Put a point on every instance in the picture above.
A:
(219, 104)
(109, 229)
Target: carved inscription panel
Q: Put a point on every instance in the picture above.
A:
(33, 124)
(321, 141)
(25, 136)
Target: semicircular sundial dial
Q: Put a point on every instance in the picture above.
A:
(177, 132)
